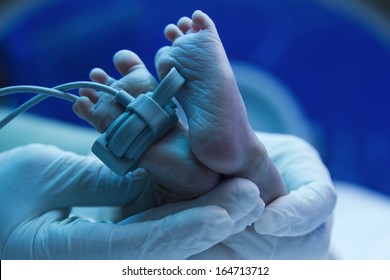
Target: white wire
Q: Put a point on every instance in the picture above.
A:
(86, 84)
(22, 108)
(40, 90)
(43, 93)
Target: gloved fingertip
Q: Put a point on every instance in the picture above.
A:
(250, 219)
(243, 195)
(252, 189)
(258, 211)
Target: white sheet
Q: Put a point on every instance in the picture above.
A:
(29, 128)
(361, 224)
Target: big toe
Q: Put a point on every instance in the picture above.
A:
(201, 20)
(136, 77)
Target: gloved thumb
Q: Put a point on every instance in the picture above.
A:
(298, 213)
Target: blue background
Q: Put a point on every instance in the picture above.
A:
(335, 62)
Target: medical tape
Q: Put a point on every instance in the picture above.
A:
(123, 98)
(147, 118)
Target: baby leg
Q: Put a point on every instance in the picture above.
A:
(220, 134)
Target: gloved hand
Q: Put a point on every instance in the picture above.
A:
(295, 226)
(40, 183)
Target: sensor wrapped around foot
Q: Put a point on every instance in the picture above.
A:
(147, 118)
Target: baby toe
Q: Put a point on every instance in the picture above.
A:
(184, 24)
(201, 20)
(82, 107)
(172, 32)
(127, 61)
(100, 76)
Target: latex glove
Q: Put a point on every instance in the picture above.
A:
(40, 183)
(295, 226)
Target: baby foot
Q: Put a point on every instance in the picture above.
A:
(176, 174)
(101, 109)
(220, 134)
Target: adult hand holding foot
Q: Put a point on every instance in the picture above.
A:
(40, 184)
(219, 144)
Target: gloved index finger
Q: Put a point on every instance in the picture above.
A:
(176, 236)
(239, 197)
